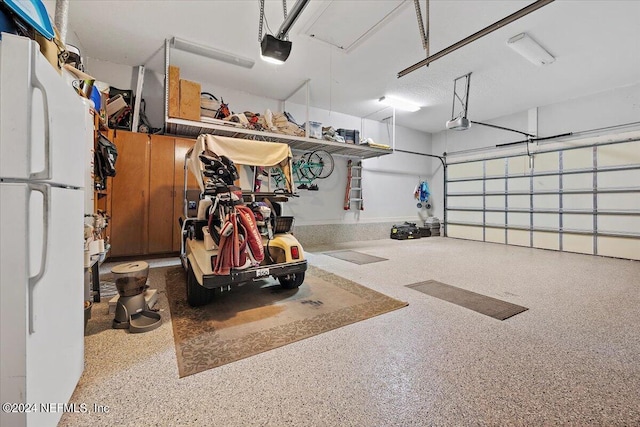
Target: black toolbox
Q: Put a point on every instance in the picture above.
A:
(405, 231)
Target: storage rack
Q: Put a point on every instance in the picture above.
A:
(191, 129)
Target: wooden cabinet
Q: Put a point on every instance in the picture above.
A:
(130, 195)
(161, 194)
(147, 194)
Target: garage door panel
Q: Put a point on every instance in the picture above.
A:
(546, 220)
(495, 185)
(619, 223)
(495, 218)
(494, 235)
(519, 184)
(546, 162)
(495, 167)
(577, 181)
(519, 166)
(581, 158)
(577, 222)
(548, 182)
(494, 202)
(619, 154)
(619, 247)
(466, 202)
(463, 216)
(618, 179)
(519, 202)
(577, 201)
(465, 232)
(544, 240)
(465, 170)
(465, 187)
(546, 201)
(518, 237)
(619, 201)
(577, 243)
(518, 219)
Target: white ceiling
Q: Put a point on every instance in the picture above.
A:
(596, 45)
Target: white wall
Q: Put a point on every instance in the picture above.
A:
(116, 75)
(611, 108)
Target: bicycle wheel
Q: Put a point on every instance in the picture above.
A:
(320, 164)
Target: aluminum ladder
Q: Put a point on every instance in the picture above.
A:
(353, 196)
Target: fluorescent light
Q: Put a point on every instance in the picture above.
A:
(532, 51)
(398, 103)
(212, 53)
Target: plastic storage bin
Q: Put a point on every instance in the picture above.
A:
(315, 130)
(351, 136)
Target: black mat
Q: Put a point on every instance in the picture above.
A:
(495, 308)
(355, 257)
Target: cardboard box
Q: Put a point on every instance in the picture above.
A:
(189, 100)
(174, 91)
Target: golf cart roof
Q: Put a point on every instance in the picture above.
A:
(241, 151)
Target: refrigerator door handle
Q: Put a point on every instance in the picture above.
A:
(33, 281)
(36, 83)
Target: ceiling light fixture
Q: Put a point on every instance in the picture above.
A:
(210, 52)
(528, 48)
(399, 104)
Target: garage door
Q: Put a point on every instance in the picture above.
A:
(578, 198)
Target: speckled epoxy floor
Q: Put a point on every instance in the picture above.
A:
(572, 359)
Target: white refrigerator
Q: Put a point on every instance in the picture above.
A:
(42, 167)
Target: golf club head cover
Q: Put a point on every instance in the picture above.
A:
(231, 167)
(208, 159)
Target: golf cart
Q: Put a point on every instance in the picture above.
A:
(232, 236)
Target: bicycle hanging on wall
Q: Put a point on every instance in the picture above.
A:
(310, 166)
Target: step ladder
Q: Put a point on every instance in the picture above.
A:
(353, 196)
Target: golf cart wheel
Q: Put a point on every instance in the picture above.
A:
(197, 295)
(291, 281)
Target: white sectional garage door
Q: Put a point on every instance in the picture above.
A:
(578, 198)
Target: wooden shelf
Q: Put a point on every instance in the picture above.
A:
(191, 129)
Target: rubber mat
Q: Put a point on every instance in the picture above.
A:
(489, 306)
(355, 257)
(260, 316)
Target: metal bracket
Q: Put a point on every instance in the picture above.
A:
(424, 33)
(462, 97)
